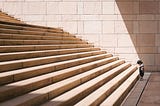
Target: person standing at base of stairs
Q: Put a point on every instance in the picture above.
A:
(141, 69)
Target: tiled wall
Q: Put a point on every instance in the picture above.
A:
(128, 28)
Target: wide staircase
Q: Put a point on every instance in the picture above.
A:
(43, 66)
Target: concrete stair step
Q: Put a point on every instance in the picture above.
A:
(24, 63)
(37, 37)
(34, 54)
(16, 75)
(22, 48)
(27, 85)
(98, 96)
(20, 27)
(10, 20)
(121, 92)
(26, 32)
(37, 27)
(53, 90)
(38, 42)
(73, 96)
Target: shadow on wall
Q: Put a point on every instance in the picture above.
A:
(141, 19)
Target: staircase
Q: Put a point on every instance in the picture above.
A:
(49, 67)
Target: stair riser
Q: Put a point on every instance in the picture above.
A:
(38, 42)
(10, 20)
(18, 56)
(36, 37)
(6, 49)
(29, 28)
(19, 65)
(11, 31)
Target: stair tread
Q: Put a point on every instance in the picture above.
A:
(104, 90)
(110, 101)
(80, 89)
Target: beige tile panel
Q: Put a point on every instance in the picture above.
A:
(34, 8)
(123, 26)
(157, 59)
(148, 49)
(10, 6)
(146, 40)
(67, 8)
(108, 8)
(148, 26)
(92, 27)
(149, 7)
(126, 40)
(124, 8)
(148, 59)
(52, 7)
(92, 8)
(108, 26)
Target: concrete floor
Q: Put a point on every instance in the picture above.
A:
(145, 92)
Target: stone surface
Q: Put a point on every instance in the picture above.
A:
(146, 91)
(151, 94)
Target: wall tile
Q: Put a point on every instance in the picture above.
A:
(148, 26)
(148, 59)
(108, 7)
(108, 26)
(123, 27)
(124, 8)
(92, 8)
(124, 40)
(92, 27)
(149, 7)
(10, 6)
(146, 40)
(109, 39)
(52, 8)
(34, 8)
(68, 8)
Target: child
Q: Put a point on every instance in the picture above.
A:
(141, 69)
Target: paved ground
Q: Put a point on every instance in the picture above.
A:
(145, 92)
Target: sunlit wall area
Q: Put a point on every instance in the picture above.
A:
(127, 28)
